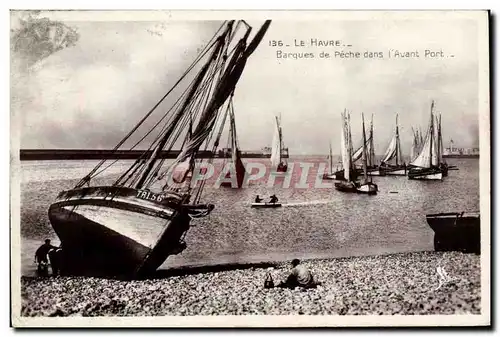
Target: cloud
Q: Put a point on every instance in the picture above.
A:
(91, 94)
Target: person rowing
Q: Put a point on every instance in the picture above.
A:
(274, 199)
(258, 199)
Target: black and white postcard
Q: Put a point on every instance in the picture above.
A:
(250, 168)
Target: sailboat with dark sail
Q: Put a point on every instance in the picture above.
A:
(236, 166)
(277, 160)
(350, 184)
(392, 163)
(426, 165)
(129, 228)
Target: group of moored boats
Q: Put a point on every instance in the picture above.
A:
(426, 162)
(132, 225)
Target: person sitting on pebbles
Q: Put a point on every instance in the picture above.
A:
(300, 276)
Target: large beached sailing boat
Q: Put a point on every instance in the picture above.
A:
(350, 184)
(236, 168)
(392, 163)
(277, 160)
(129, 228)
(426, 165)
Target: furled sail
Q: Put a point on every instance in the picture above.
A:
(365, 154)
(345, 147)
(223, 89)
(371, 147)
(239, 168)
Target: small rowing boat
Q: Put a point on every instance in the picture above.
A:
(265, 205)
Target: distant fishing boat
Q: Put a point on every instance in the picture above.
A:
(330, 175)
(426, 166)
(237, 164)
(445, 167)
(372, 168)
(350, 185)
(456, 231)
(277, 161)
(393, 154)
(129, 228)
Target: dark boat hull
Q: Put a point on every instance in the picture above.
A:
(110, 231)
(351, 187)
(344, 186)
(339, 175)
(396, 170)
(368, 188)
(417, 173)
(456, 231)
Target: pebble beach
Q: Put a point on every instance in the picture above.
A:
(406, 283)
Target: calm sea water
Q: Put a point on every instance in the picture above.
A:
(317, 222)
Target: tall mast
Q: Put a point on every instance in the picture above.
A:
(349, 141)
(397, 141)
(372, 145)
(431, 133)
(439, 141)
(199, 79)
(365, 169)
(279, 137)
(331, 158)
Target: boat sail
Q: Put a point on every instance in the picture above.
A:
(330, 175)
(129, 228)
(426, 165)
(394, 154)
(350, 185)
(373, 169)
(237, 164)
(277, 160)
(414, 145)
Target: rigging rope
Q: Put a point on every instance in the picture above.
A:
(201, 55)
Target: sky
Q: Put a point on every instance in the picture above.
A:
(91, 94)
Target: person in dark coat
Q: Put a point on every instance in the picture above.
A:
(41, 256)
(258, 199)
(274, 199)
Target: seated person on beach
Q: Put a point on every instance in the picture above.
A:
(299, 277)
(274, 199)
(41, 255)
(258, 199)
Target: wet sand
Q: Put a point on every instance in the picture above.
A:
(406, 283)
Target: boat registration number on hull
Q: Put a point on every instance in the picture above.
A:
(147, 195)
